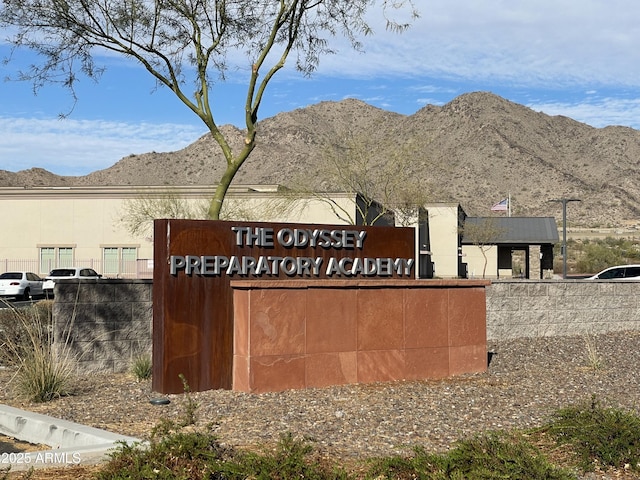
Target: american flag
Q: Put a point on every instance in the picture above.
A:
(501, 206)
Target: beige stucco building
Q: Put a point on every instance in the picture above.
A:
(51, 227)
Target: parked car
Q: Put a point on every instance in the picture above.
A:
(67, 273)
(22, 285)
(619, 272)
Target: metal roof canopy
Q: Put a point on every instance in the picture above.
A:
(520, 230)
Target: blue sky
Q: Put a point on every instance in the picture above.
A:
(578, 58)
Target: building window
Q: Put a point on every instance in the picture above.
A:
(110, 261)
(119, 261)
(55, 257)
(65, 257)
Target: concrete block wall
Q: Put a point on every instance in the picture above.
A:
(526, 308)
(107, 323)
(103, 325)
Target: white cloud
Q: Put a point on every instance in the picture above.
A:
(77, 147)
(563, 57)
(597, 112)
(541, 42)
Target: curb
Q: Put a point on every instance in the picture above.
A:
(71, 443)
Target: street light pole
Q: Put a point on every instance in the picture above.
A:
(564, 202)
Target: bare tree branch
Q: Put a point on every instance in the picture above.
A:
(384, 183)
(185, 44)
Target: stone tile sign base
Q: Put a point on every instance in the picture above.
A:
(293, 334)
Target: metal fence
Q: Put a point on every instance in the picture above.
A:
(141, 268)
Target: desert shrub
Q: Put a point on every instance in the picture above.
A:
(600, 436)
(421, 465)
(170, 454)
(594, 255)
(595, 361)
(15, 325)
(603, 436)
(487, 456)
(291, 459)
(189, 406)
(142, 367)
(174, 453)
(44, 309)
(42, 377)
(598, 256)
(27, 344)
(499, 455)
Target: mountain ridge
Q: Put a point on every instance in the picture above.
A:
(478, 148)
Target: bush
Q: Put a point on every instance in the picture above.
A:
(170, 454)
(420, 465)
(27, 344)
(15, 325)
(594, 255)
(608, 437)
(174, 453)
(142, 367)
(291, 459)
(598, 436)
(190, 406)
(488, 456)
(597, 257)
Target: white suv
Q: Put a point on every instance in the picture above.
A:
(64, 273)
(620, 272)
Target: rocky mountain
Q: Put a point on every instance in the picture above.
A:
(477, 149)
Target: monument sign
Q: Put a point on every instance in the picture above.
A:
(195, 261)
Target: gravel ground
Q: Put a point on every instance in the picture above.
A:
(526, 380)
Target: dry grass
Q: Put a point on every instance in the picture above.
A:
(27, 342)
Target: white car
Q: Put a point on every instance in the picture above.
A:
(21, 285)
(67, 273)
(620, 272)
